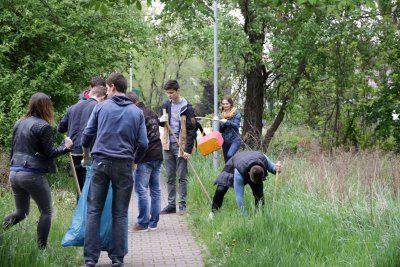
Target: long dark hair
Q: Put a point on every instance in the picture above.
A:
(40, 105)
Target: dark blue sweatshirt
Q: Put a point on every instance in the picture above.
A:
(75, 120)
(118, 128)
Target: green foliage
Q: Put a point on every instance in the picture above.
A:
(348, 50)
(105, 5)
(293, 140)
(57, 47)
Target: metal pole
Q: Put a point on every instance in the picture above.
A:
(131, 65)
(215, 119)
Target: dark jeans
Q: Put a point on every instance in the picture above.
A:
(80, 171)
(174, 164)
(104, 171)
(218, 198)
(230, 148)
(26, 185)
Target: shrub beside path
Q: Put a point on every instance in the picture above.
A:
(172, 244)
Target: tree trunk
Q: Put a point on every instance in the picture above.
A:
(254, 106)
(301, 68)
(256, 76)
(275, 125)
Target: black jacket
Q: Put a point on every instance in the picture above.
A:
(74, 122)
(32, 145)
(154, 150)
(243, 162)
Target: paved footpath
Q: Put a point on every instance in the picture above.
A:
(172, 244)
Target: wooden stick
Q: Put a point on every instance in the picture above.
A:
(71, 162)
(190, 163)
(275, 186)
(204, 118)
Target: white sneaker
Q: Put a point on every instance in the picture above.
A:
(210, 216)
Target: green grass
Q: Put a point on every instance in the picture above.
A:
(339, 210)
(313, 223)
(18, 244)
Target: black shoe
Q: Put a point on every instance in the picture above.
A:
(117, 264)
(182, 211)
(168, 210)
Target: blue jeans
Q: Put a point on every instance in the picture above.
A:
(238, 186)
(147, 176)
(173, 163)
(230, 148)
(104, 171)
(26, 185)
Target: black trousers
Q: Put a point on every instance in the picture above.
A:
(218, 199)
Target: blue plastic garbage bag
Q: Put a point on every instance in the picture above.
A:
(75, 234)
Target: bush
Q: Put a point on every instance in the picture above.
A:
(293, 140)
(4, 166)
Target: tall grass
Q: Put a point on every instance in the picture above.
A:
(331, 210)
(18, 244)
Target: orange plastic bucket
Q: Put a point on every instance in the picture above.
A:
(210, 143)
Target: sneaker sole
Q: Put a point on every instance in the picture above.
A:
(153, 229)
(138, 231)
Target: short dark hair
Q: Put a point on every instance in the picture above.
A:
(40, 105)
(97, 80)
(99, 91)
(257, 174)
(132, 97)
(172, 84)
(118, 80)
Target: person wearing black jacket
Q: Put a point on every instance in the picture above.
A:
(74, 122)
(32, 156)
(247, 167)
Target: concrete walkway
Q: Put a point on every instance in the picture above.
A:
(172, 244)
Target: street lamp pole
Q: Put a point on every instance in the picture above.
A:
(130, 64)
(215, 119)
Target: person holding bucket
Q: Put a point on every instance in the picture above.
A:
(229, 128)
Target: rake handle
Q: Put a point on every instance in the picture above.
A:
(275, 186)
(190, 163)
(71, 162)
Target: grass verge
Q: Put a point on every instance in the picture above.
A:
(331, 210)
